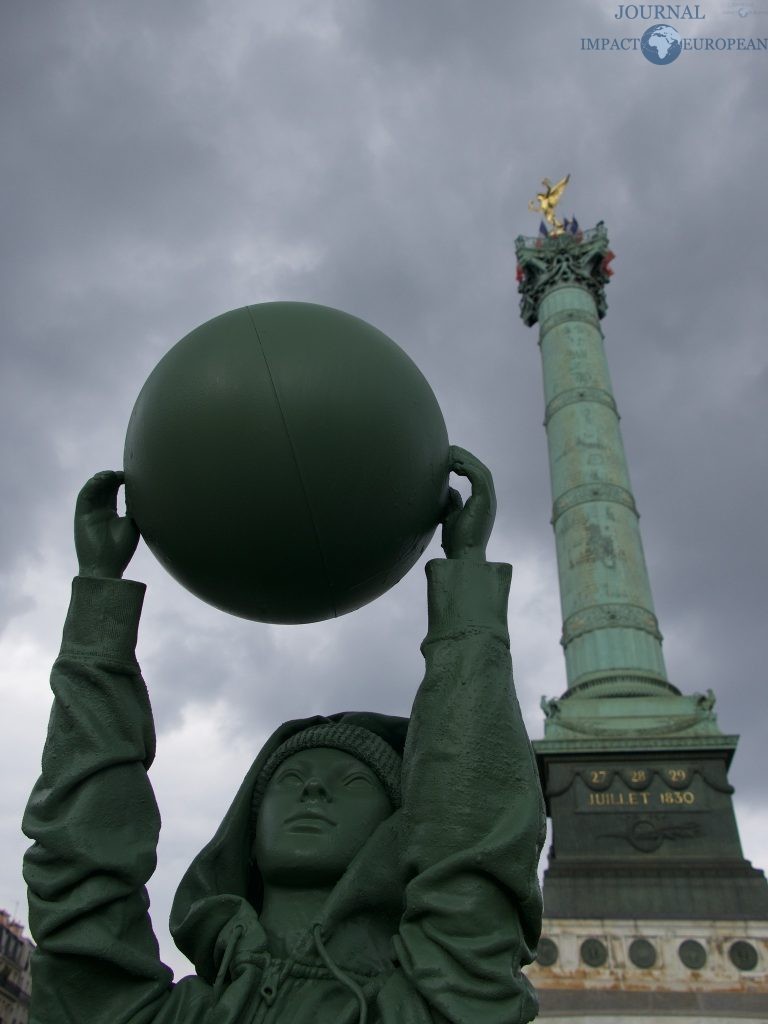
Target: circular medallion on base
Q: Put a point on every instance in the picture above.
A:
(593, 952)
(546, 953)
(743, 955)
(642, 953)
(692, 954)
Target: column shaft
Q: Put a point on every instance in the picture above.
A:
(610, 634)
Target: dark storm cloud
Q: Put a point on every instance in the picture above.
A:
(162, 163)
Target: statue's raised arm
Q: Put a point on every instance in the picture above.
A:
(473, 811)
(92, 814)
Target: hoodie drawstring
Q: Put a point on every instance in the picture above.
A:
(226, 960)
(350, 983)
(339, 975)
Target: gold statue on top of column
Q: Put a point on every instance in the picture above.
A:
(546, 201)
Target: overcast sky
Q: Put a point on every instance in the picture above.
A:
(164, 162)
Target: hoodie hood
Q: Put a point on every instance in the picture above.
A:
(221, 889)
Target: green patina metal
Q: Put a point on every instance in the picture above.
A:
(610, 635)
(370, 867)
(618, 691)
(303, 402)
(634, 771)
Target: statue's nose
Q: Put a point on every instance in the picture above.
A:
(314, 789)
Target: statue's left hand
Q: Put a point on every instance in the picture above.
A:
(466, 528)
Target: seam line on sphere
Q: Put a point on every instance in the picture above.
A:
(297, 464)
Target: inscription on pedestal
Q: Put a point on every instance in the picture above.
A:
(636, 790)
(646, 812)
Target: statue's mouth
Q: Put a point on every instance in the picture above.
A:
(309, 821)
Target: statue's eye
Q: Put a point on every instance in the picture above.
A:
(290, 777)
(358, 781)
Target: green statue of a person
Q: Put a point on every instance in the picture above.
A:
(370, 868)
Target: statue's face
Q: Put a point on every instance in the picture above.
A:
(319, 808)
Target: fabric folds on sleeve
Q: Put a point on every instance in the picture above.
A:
(473, 811)
(95, 824)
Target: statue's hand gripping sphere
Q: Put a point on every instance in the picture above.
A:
(286, 462)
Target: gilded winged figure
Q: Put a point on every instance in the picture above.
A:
(546, 201)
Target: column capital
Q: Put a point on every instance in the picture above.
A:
(545, 262)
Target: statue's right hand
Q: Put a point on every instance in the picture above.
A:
(104, 541)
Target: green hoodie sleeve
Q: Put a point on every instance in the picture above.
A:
(95, 824)
(473, 811)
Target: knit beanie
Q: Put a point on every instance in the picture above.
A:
(366, 746)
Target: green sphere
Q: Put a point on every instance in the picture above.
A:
(286, 462)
